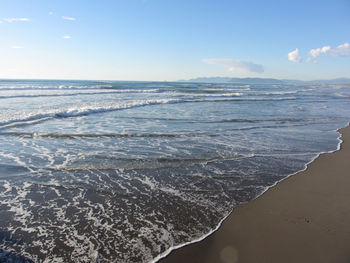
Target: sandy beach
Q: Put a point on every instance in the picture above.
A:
(304, 218)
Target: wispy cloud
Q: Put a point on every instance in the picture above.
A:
(50, 13)
(294, 56)
(342, 50)
(312, 60)
(67, 37)
(235, 65)
(69, 18)
(16, 19)
(17, 47)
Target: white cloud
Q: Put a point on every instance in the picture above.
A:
(294, 56)
(16, 47)
(69, 18)
(235, 65)
(319, 51)
(16, 19)
(342, 50)
(67, 37)
(50, 13)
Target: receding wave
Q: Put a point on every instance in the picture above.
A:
(274, 126)
(279, 120)
(113, 163)
(101, 162)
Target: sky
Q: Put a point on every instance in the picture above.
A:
(163, 40)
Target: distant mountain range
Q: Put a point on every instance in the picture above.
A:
(265, 81)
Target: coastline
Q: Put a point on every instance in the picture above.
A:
(279, 225)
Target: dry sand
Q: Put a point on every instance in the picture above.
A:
(305, 218)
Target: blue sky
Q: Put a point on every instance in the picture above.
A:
(172, 40)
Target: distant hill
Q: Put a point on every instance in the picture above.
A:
(235, 80)
(264, 81)
(333, 81)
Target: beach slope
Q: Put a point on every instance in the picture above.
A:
(304, 218)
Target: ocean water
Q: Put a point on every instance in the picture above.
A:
(125, 171)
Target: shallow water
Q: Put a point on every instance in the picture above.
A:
(123, 171)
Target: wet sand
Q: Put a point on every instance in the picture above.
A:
(304, 218)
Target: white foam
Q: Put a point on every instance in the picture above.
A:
(7, 186)
(169, 250)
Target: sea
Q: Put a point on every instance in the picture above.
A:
(117, 171)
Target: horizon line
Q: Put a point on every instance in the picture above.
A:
(180, 80)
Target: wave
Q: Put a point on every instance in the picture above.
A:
(134, 90)
(26, 121)
(274, 126)
(276, 92)
(340, 95)
(206, 91)
(224, 88)
(231, 94)
(61, 87)
(173, 159)
(106, 135)
(279, 123)
(227, 89)
(76, 94)
(243, 99)
(82, 111)
(103, 163)
(82, 87)
(87, 110)
(280, 120)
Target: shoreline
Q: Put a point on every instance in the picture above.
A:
(211, 247)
